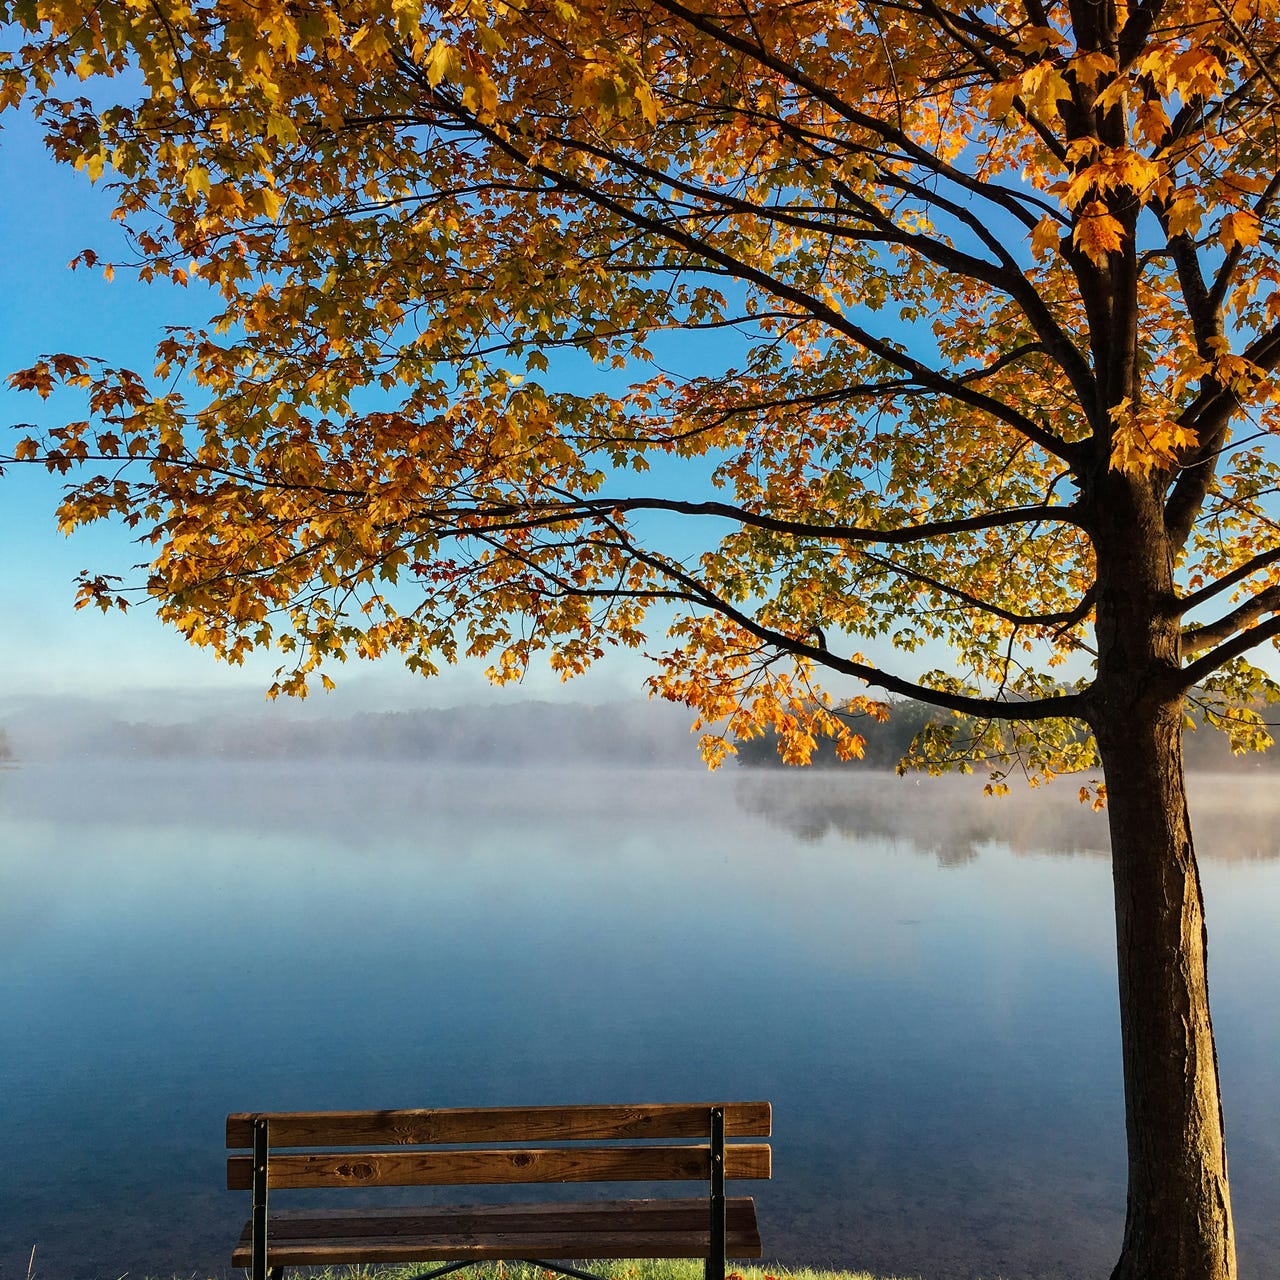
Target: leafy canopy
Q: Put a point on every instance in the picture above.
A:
(957, 273)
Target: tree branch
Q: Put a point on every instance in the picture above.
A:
(833, 532)
(1009, 200)
(1237, 646)
(1065, 706)
(1209, 415)
(1061, 620)
(1198, 638)
(1260, 561)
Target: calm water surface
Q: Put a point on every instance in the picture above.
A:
(921, 982)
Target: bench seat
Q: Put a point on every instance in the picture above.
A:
(668, 1228)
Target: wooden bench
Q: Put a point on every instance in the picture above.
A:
(496, 1145)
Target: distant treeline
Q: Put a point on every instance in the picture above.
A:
(502, 733)
(511, 733)
(887, 742)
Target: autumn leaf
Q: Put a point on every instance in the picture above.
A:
(1046, 237)
(443, 63)
(1097, 232)
(1240, 227)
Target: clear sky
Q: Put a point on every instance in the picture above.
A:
(49, 213)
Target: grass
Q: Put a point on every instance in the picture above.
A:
(610, 1269)
(637, 1269)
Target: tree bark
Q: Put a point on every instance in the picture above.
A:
(1178, 1224)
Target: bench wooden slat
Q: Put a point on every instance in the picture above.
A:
(509, 1247)
(654, 1228)
(499, 1124)
(658, 1214)
(457, 1168)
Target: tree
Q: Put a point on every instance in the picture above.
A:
(1006, 320)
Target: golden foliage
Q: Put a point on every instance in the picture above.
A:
(987, 271)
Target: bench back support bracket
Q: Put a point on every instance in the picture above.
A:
(261, 1136)
(715, 1254)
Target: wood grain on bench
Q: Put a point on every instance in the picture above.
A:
(497, 1124)
(505, 1165)
(599, 1229)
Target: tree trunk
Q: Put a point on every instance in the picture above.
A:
(1178, 1221)
(1178, 1224)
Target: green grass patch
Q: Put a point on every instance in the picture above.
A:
(612, 1269)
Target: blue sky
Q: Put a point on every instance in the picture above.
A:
(48, 214)
(51, 213)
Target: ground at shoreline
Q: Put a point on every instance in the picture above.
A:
(624, 1269)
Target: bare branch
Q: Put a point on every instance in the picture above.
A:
(831, 532)
(1229, 580)
(1198, 638)
(1236, 647)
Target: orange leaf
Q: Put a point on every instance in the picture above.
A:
(1097, 233)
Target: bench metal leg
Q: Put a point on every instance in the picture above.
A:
(564, 1271)
(714, 1269)
(445, 1270)
(533, 1262)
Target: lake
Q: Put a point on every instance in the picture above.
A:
(920, 980)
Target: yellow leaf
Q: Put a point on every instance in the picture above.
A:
(1239, 228)
(1043, 87)
(1090, 66)
(281, 127)
(1097, 233)
(1185, 215)
(286, 32)
(1152, 121)
(443, 63)
(480, 95)
(1046, 237)
(370, 42)
(1000, 99)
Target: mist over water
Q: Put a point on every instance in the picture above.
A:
(1236, 816)
(919, 979)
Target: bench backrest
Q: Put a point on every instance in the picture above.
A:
(492, 1145)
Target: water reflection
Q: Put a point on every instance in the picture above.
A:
(940, 1045)
(1236, 818)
